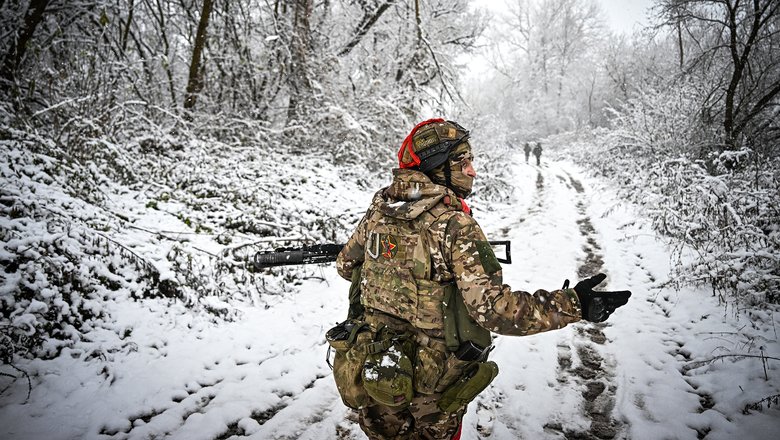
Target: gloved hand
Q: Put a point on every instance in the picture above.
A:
(597, 306)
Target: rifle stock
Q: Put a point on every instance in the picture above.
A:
(325, 253)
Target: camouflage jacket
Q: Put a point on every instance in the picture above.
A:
(466, 258)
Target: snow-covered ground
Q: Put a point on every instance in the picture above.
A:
(669, 365)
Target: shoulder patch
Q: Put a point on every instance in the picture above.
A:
(487, 257)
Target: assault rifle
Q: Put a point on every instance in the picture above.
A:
(325, 253)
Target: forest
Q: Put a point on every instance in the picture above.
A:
(251, 124)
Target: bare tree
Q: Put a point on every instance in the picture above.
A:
(369, 19)
(159, 13)
(23, 35)
(579, 27)
(195, 82)
(366, 62)
(547, 50)
(740, 49)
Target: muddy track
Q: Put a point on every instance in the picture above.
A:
(581, 363)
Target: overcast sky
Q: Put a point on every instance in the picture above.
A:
(621, 15)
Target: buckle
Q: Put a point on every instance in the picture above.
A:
(469, 351)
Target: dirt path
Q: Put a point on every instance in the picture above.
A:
(582, 371)
(646, 373)
(582, 364)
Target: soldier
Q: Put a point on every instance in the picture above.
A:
(527, 150)
(427, 291)
(538, 152)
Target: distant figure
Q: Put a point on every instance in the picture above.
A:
(537, 153)
(527, 149)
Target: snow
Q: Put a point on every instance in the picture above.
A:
(662, 367)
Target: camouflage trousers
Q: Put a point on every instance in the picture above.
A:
(422, 420)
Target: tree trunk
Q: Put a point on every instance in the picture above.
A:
(195, 82)
(740, 62)
(300, 46)
(417, 19)
(130, 9)
(680, 43)
(16, 51)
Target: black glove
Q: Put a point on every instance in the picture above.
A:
(597, 306)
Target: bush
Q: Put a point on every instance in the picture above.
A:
(719, 208)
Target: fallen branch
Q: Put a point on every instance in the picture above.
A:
(758, 406)
(59, 104)
(24, 373)
(230, 249)
(697, 364)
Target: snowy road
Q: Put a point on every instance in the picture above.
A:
(265, 377)
(556, 239)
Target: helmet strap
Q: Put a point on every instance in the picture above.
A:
(447, 174)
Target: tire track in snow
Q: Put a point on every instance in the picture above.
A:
(664, 305)
(581, 363)
(683, 374)
(491, 400)
(286, 400)
(196, 401)
(678, 351)
(636, 406)
(536, 206)
(541, 222)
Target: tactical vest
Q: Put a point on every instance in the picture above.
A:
(399, 278)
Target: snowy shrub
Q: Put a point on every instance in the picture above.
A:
(113, 186)
(665, 123)
(728, 220)
(719, 208)
(494, 178)
(81, 218)
(61, 263)
(492, 150)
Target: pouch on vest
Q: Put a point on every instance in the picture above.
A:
(350, 340)
(429, 365)
(355, 308)
(388, 372)
(459, 327)
(454, 369)
(465, 389)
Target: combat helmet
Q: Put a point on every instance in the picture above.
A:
(432, 147)
(430, 144)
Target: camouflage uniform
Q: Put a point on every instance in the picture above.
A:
(459, 253)
(538, 153)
